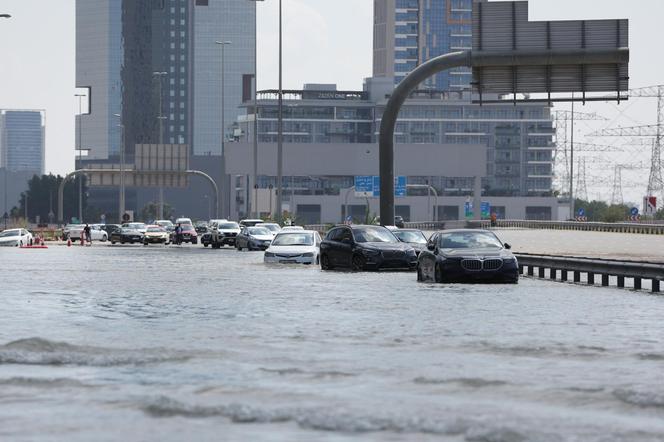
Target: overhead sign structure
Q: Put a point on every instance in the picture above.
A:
(499, 27)
(368, 186)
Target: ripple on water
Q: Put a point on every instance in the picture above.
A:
(640, 398)
(38, 351)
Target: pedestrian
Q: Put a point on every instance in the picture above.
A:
(494, 219)
(87, 232)
(178, 234)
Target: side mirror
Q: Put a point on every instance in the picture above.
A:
(507, 246)
(431, 246)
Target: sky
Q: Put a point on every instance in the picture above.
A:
(37, 68)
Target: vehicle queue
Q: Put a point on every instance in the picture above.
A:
(462, 255)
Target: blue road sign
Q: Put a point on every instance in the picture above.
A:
(369, 186)
(582, 212)
(485, 209)
(634, 211)
(364, 186)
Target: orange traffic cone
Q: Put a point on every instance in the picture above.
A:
(68, 242)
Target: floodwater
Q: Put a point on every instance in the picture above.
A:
(167, 343)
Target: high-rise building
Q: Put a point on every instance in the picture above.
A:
(123, 45)
(22, 140)
(409, 32)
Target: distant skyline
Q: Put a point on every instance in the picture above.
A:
(324, 42)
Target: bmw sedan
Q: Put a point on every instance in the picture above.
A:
(127, 235)
(413, 237)
(467, 256)
(365, 248)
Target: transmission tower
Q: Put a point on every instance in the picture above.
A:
(562, 119)
(655, 181)
(617, 193)
(581, 182)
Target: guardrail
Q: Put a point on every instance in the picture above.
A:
(609, 271)
(646, 229)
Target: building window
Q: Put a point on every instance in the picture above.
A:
(202, 2)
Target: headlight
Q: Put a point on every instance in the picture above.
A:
(371, 252)
(269, 255)
(307, 255)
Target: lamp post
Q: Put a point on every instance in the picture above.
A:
(122, 177)
(224, 187)
(255, 209)
(280, 128)
(80, 137)
(160, 117)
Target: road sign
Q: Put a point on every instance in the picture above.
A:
(634, 211)
(542, 54)
(582, 212)
(649, 205)
(485, 209)
(369, 186)
(468, 209)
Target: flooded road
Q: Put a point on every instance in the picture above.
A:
(134, 343)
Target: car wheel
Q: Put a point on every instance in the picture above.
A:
(104, 238)
(122, 241)
(325, 262)
(112, 242)
(194, 241)
(358, 263)
(438, 274)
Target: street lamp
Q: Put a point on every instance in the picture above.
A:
(80, 158)
(161, 118)
(255, 209)
(280, 125)
(224, 187)
(122, 160)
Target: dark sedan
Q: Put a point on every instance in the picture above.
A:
(467, 256)
(126, 235)
(413, 237)
(365, 248)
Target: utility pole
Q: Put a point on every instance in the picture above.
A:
(225, 191)
(160, 117)
(122, 177)
(80, 136)
(572, 209)
(280, 129)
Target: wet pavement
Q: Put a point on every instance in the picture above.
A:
(170, 343)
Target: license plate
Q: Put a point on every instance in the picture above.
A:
(288, 261)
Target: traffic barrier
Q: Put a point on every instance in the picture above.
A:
(604, 268)
(636, 228)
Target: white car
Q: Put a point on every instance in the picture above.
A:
(301, 247)
(274, 228)
(74, 232)
(165, 223)
(183, 221)
(292, 229)
(15, 238)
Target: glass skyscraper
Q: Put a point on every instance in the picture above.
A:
(22, 141)
(121, 44)
(409, 32)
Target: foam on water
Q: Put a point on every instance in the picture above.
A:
(38, 351)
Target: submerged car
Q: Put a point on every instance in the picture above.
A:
(129, 235)
(188, 234)
(467, 256)
(156, 235)
(301, 247)
(221, 234)
(365, 248)
(15, 238)
(141, 227)
(413, 237)
(254, 238)
(274, 228)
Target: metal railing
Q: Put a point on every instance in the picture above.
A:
(611, 272)
(646, 229)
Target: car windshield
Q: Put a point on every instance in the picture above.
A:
(410, 236)
(164, 223)
(187, 227)
(373, 234)
(136, 226)
(9, 233)
(270, 227)
(156, 230)
(294, 239)
(128, 230)
(229, 226)
(469, 240)
(258, 231)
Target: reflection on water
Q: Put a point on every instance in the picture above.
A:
(170, 343)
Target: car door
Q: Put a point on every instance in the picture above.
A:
(327, 246)
(344, 248)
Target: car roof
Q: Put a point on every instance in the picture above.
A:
(409, 230)
(297, 232)
(249, 220)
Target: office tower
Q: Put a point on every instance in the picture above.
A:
(409, 32)
(22, 140)
(122, 46)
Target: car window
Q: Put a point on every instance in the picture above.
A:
(346, 235)
(333, 235)
(294, 239)
(258, 231)
(469, 240)
(373, 234)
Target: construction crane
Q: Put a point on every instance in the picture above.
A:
(656, 131)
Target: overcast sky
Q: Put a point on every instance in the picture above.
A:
(326, 41)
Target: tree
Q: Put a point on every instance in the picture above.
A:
(42, 198)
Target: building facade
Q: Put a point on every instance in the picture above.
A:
(121, 46)
(409, 32)
(22, 140)
(517, 160)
